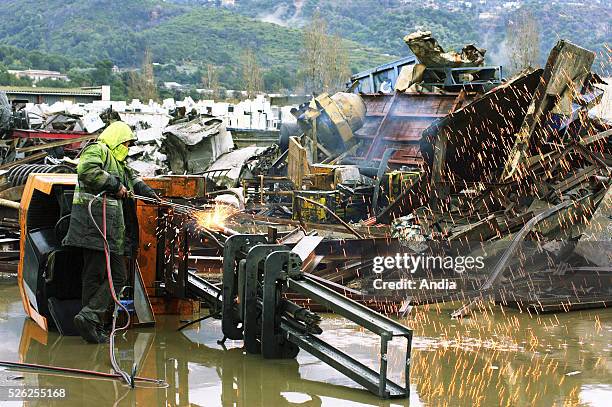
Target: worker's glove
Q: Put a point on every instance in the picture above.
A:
(143, 189)
(122, 193)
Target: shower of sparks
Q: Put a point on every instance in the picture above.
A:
(214, 218)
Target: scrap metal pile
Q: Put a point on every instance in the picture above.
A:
(35, 139)
(518, 172)
(456, 161)
(174, 137)
(38, 138)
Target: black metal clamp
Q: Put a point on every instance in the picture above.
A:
(255, 276)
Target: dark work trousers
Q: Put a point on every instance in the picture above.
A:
(96, 295)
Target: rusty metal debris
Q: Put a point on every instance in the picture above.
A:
(502, 168)
(431, 54)
(451, 158)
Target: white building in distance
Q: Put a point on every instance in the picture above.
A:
(38, 75)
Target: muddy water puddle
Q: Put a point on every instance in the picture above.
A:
(499, 358)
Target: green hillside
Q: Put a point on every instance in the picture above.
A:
(91, 30)
(383, 23)
(186, 35)
(378, 23)
(18, 58)
(220, 36)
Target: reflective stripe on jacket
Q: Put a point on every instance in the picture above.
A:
(99, 170)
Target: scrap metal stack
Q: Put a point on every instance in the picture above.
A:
(454, 160)
(505, 170)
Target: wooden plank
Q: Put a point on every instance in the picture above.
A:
(297, 163)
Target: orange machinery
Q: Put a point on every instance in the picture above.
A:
(46, 269)
(48, 275)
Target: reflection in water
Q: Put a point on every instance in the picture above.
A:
(506, 358)
(198, 371)
(498, 358)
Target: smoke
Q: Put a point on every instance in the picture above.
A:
(499, 54)
(280, 15)
(496, 44)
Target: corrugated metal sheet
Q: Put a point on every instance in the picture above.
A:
(50, 91)
(51, 95)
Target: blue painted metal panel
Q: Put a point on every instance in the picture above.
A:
(382, 77)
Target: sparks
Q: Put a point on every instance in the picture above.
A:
(215, 217)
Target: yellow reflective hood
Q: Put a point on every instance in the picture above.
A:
(114, 136)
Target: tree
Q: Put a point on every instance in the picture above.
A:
(522, 42)
(54, 83)
(312, 65)
(229, 76)
(278, 79)
(103, 72)
(252, 78)
(9, 79)
(142, 85)
(323, 59)
(210, 80)
(337, 62)
(119, 87)
(193, 93)
(80, 77)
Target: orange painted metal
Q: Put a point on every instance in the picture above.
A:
(43, 183)
(147, 253)
(169, 186)
(178, 186)
(174, 306)
(183, 186)
(30, 332)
